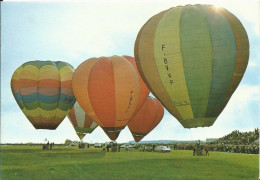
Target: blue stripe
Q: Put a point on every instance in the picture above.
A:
(30, 98)
(67, 99)
(47, 99)
(17, 97)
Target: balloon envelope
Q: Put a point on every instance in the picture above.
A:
(144, 91)
(146, 119)
(43, 91)
(107, 88)
(80, 121)
(192, 58)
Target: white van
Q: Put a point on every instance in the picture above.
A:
(98, 145)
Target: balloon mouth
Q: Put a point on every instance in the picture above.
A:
(138, 136)
(198, 122)
(113, 132)
(41, 126)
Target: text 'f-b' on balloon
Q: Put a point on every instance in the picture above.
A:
(192, 58)
(144, 91)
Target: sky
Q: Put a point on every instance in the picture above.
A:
(76, 31)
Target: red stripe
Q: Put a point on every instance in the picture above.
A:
(73, 117)
(101, 89)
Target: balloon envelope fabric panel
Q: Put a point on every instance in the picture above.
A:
(146, 119)
(192, 58)
(80, 121)
(108, 89)
(144, 91)
(43, 91)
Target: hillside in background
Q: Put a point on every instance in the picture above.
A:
(239, 138)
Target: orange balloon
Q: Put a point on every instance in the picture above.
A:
(146, 119)
(107, 88)
(144, 91)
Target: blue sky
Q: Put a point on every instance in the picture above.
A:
(74, 32)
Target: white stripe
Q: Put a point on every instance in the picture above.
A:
(80, 115)
(93, 125)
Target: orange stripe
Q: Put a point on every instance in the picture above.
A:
(14, 83)
(49, 83)
(73, 117)
(101, 87)
(88, 122)
(23, 83)
(66, 84)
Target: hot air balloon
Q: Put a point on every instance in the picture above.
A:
(144, 91)
(192, 58)
(80, 121)
(146, 119)
(43, 91)
(108, 89)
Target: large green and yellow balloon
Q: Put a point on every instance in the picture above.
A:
(43, 91)
(192, 58)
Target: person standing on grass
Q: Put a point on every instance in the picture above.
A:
(153, 147)
(194, 151)
(207, 151)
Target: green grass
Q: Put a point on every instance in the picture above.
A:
(31, 162)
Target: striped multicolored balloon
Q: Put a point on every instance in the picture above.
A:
(43, 90)
(80, 121)
(192, 58)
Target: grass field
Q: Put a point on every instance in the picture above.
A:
(31, 162)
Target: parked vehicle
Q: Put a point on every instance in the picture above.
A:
(127, 146)
(98, 145)
(162, 149)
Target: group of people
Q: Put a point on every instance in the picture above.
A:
(50, 145)
(147, 148)
(197, 149)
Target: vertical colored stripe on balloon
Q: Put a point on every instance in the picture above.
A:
(127, 90)
(168, 57)
(197, 57)
(242, 54)
(72, 117)
(79, 114)
(101, 85)
(224, 55)
(81, 87)
(148, 66)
